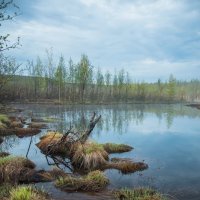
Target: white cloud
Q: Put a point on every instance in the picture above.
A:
(150, 38)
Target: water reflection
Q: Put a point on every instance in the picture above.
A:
(116, 117)
(165, 136)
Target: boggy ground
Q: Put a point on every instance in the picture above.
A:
(86, 157)
(13, 123)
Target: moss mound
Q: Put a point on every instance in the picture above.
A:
(116, 148)
(94, 181)
(89, 156)
(138, 194)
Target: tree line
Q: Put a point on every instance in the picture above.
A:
(81, 82)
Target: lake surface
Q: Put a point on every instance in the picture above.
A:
(166, 137)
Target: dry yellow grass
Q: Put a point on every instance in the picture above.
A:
(89, 156)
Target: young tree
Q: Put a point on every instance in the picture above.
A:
(171, 87)
(121, 80)
(83, 74)
(127, 83)
(50, 71)
(60, 76)
(108, 82)
(100, 83)
(71, 80)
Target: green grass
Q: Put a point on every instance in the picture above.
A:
(27, 193)
(93, 147)
(21, 193)
(138, 194)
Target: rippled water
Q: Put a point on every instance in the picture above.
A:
(166, 137)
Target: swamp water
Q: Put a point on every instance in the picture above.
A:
(166, 137)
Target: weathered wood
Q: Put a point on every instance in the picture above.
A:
(87, 132)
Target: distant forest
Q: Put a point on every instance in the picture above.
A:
(81, 83)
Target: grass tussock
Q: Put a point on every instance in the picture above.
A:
(126, 165)
(94, 181)
(15, 169)
(48, 144)
(116, 148)
(138, 194)
(27, 193)
(89, 156)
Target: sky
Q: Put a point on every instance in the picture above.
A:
(150, 39)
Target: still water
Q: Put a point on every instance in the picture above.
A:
(166, 137)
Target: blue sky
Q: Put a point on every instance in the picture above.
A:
(148, 38)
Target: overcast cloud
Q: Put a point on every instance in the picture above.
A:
(149, 38)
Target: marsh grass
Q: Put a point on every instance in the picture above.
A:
(138, 194)
(116, 148)
(94, 181)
